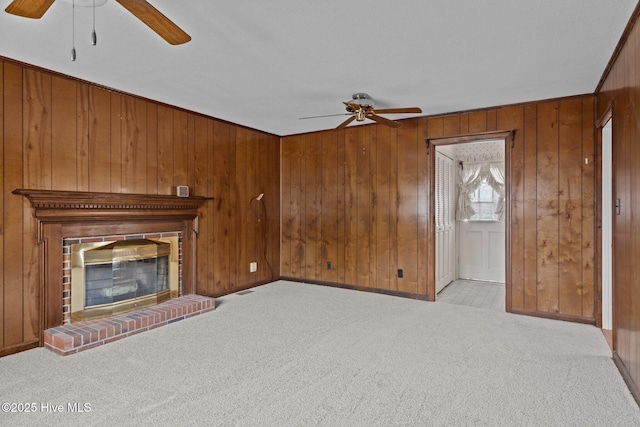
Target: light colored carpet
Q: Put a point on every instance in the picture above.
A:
(291, 354)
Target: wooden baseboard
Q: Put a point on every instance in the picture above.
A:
(19, 347)
(633, 387)
(608, 335)
(554, 316)
(360, 288)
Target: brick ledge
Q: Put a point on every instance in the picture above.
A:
(81, 336)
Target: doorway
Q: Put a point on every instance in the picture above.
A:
(607, 224)
(471, 210)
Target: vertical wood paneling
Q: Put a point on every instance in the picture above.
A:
(588, 211)
(570, 207)
(407, 220)
(530, 216)
(351, 206)
(362, 206)
(312, 202)
(329, 206)
(341, 203)
(243, 197)
(151, 179)
(83, 135)
(423, 204)
(272, 147)
(100, 156)
(213, 208)
(547, 207)
(200, 188)
(464, 123)
(61, 134)
(630, 120)
(232, 207)
(180, 142)
(116, 142)
(2, 223)
(492, 120)
(165, 150)
(477, 121)
(286, 242)
(373, 203)
(224, 199)
(451, 125)
(435, 127)
(134, 145)
(13, 311)
(297, 208)
(37, 174)
(384, 206)
(191, 147)
(634, 93)
(513, 118)
(37, 129)
(393, 214)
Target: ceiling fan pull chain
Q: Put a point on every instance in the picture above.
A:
(73, 30)
(94, 37)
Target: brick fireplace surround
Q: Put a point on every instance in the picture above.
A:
(69, 215)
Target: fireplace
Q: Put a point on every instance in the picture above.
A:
(64, 216)
(116, 276)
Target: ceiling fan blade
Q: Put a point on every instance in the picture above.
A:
(346, 122)
(29, 8)
(324, 115)
(383, 121)
(155, 20)
(398, 110)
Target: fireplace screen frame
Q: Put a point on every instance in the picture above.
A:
(78, 310)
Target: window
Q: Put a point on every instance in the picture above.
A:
(484, 201)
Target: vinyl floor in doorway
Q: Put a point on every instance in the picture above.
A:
(473, 293)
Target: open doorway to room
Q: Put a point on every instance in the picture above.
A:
(608, 206)
(470, 216)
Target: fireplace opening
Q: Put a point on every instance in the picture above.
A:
(110, 278)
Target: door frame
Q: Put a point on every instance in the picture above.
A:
(600, 123)
(432, 143)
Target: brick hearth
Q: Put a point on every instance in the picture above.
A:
(76, 337)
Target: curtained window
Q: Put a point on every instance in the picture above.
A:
(481, 192)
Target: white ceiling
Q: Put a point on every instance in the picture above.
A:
(263, 64)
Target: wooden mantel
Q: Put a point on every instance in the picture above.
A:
(65, 206)
(75, 214)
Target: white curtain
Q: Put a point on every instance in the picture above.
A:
(470, 180)
(496, 180)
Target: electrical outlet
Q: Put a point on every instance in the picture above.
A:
(328, 265)
(253, 267)
(400, 273)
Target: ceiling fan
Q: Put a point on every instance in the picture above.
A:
(361, 107)
(141, 9)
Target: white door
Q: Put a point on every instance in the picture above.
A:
(482, 250)
(445, 221)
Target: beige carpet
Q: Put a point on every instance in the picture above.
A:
(291, 354)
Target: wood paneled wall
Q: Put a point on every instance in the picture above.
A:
(62, 134)
(620, 93)
(358, 199)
